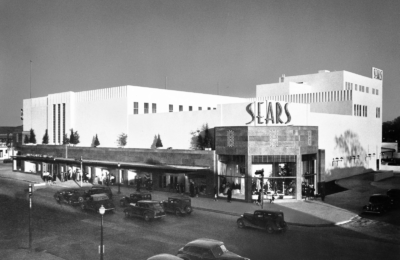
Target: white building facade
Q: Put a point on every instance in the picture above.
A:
(333, 122)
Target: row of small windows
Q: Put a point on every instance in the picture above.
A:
(361, 88)
(154, 108)
(360, 110)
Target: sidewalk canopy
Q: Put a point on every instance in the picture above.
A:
(112, 164)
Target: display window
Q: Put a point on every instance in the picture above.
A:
(279, 180)
(231, 169)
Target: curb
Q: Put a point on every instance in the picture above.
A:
(289, 223)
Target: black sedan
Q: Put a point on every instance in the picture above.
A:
(70, 196)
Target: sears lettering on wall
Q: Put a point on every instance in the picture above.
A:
(268, 113)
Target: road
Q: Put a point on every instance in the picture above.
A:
(69, 233)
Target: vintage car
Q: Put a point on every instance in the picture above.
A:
(96, 190)
(147, 209)
(269, 220)
(205, 248)
(164, 257)
(180, 205)
(96, 201)
(378, 203)
(394, 195)
(134, 197)
(70, 196)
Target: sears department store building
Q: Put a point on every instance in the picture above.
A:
(303, 129)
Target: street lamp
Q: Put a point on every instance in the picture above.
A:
(102, 210)
(119, 179)
(81, 171)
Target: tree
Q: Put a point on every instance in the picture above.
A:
(26, 139)
(200, 142)
(71, 137)
(201, 138)
(122, 140)
(159, 143)
(207, 137)
(32, 137)
(96, 141)
(65, 139)
(76, 137)
(45, 139)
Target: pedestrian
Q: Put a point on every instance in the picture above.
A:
(182, 187)
(191, 189)
(323, 191)
(215, 193)
(196, 190)
(259, 197)
(229, 193)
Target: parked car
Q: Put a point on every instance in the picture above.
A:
(147, 209)
(378, 203)
(164, 257)
(178, 204)
(394, 195)
(96, 201)
(134, 197)
(269, 220)
(7, 160)
(70, 196)
(96, 190)
(205, 248)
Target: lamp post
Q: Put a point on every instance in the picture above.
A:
(119, 179)
(30, 217)
(102, 210)
(81, 171)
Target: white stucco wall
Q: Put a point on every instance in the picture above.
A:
(174, 128)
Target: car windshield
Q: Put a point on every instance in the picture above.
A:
(155, 206)
(219, 250)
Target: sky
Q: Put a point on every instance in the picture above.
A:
(206, 46)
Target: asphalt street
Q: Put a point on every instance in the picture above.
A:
(66, 232)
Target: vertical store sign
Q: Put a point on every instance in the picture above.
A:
(377, 73)
(268, 113)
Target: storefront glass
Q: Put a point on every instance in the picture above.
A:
(279, 179)
(232, 172)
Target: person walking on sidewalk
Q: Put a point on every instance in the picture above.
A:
(215, 193)
(229, 193)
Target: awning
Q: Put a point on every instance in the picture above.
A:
(113, 165)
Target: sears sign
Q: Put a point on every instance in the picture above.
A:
(269, 113)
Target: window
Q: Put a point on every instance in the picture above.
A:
(190, 108)
(355, 87)
(154, 108)
(180, 108)
(376, 92)
(199, 108)
(378, 112)
(367, 88)
(135, 108)
(208, 108)
(373, 91)
(171, 108)
(146, 108)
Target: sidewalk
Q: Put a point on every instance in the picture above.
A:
(312, 213)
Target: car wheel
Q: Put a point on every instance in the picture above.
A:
(83, 207)
(69, 202)
(58, 200)
(241, 224)
(126, 214)
(122, 203)
(147, 217)
(188, 210)
(80, 199)
(270, 230)
(177, 212)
